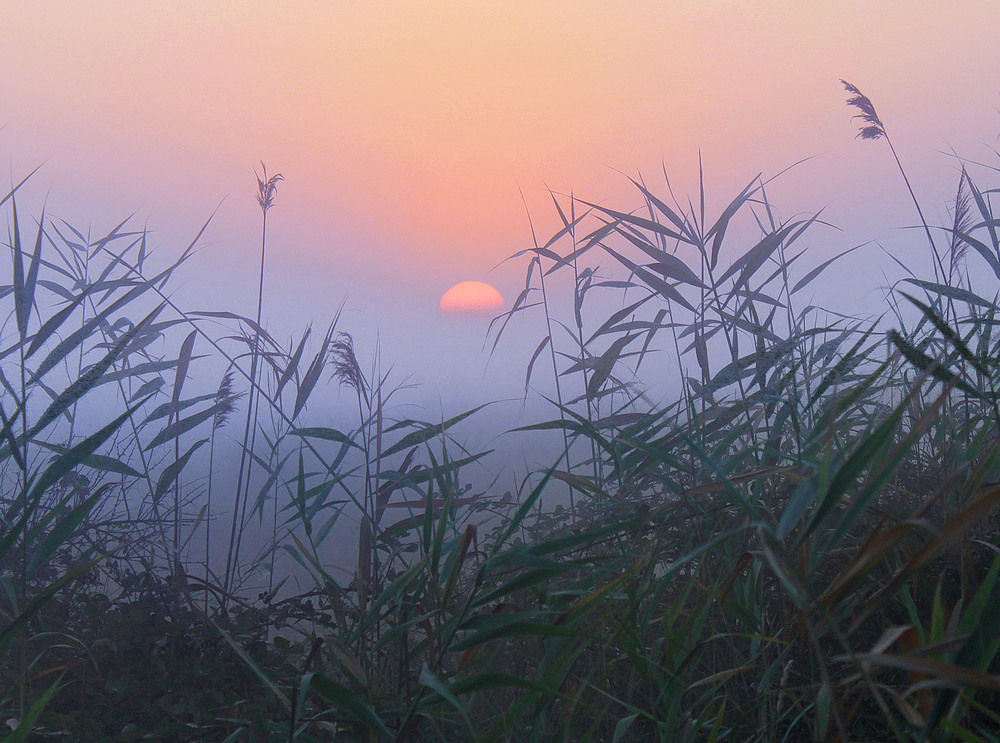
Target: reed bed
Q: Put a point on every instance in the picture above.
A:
(801, 545)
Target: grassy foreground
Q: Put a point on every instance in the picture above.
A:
(803, 545)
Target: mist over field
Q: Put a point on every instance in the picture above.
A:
(445, 371)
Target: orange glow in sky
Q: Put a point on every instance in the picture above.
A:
(406, 131)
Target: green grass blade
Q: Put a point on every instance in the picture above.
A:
(27, 725)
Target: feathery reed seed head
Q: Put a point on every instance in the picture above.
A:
(345, 363)
(962, 221)
(267, 188)
(225, 400)
(860, 101)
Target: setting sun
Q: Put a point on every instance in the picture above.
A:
(475, 297)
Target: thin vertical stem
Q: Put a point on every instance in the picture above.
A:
(265, 197)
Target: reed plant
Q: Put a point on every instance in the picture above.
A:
(799, 544)
(267, 189)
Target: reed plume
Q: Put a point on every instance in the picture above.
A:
(962, 221)
(346, 368)
(874, 128)
(225, 401)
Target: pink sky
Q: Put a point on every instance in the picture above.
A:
(404, 128)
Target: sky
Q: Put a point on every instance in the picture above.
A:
(415, 137)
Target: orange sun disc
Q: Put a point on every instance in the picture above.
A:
(475, 297)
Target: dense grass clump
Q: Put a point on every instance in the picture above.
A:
(801, 545)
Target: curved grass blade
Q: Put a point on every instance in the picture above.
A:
(930, 366)
(428, 432)
(173, 470)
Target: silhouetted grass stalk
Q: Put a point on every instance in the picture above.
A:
(266, 187)
(549, 340)
(874, 129)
